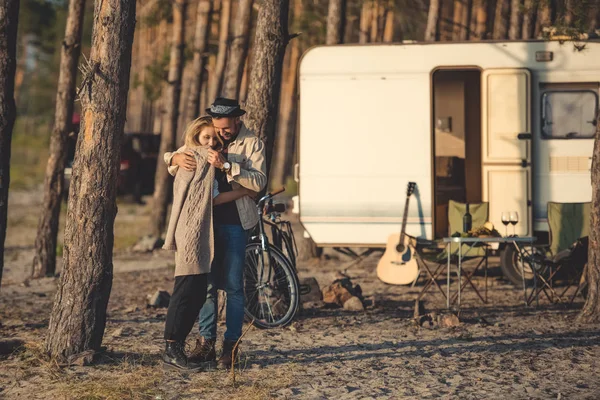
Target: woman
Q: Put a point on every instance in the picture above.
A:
(190, 234)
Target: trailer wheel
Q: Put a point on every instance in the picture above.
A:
(510, 264)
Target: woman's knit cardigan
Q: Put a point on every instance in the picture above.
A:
(190, 230)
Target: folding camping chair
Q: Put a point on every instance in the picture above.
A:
(432, 256)
(569, 227)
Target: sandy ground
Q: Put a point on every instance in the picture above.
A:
(499, 350)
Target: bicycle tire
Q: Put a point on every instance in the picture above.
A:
(258, 295)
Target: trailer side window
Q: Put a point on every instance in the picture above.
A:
(569, 114)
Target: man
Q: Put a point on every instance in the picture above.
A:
(241, 163)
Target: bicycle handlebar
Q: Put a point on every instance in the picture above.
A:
(269, 195)
(275, 193)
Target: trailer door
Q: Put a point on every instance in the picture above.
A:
(506, 145)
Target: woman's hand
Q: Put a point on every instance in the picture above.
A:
(185, 160)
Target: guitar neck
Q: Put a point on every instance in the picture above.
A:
(402, 232)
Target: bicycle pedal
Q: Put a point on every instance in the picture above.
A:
(304, 289)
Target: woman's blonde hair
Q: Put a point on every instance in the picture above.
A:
(194, 129)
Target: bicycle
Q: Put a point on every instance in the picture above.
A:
(271, 286)
(281, 231)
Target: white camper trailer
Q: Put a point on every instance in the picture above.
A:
(509, 123)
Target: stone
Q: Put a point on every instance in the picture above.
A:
(147, 244)
(310, 290)
(160, 299)
(353, 304)
(336, 294)
(448, 320)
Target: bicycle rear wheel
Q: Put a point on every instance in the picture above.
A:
(270, 287)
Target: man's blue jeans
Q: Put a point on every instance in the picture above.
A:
(227, 273)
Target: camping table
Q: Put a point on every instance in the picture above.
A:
(520, 242)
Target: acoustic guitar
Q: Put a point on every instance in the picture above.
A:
(398, 265)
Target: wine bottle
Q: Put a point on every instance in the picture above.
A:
(467, 220)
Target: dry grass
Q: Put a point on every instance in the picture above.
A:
(129, 382)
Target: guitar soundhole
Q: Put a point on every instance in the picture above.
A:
(400, 248)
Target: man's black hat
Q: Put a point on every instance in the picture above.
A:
(225, 108)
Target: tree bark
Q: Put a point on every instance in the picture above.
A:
(365, 22)
(568, 13)
(388, 31)
(514, 32)
(217, 77)
(501, 19)
(265, 79)
(9, 17)
(375, 14)
(457, 32)
(431, 32)
(591, 308)
(336, 21)
(446, 24)
(163, 181)
(238, 51)
(245, 81)
(479, 30)
(464, 20)
(544, 16)
(201, 36)
(78, 317)
(44, 261)
(530, 11)
(284, 144)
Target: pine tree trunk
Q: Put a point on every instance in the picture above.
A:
(544, 16)
(78, 318)
(514, 32)
(336, 17)
(591, 308)
(265, 79)
(388, 31)
(446, 20)
(594, 18)
(216, 80)
(458, 19)
(284, 144)
(568, 13)
(201, 36)
(479, 25)
(431, 32)
(238, 51)
(501, 19)
(464, 19)
(530, 11)
(245, 81)
(44, 262)
(163, 181)
(365, 22)
(375, 11)
(9, 17)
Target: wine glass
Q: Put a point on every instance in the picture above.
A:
(505, 220)
(514, 220)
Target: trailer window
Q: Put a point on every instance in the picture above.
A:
(569, 114)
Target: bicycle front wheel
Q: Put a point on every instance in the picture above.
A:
(270, 287)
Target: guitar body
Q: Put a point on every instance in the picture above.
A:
(398, 265)
(397, 268)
